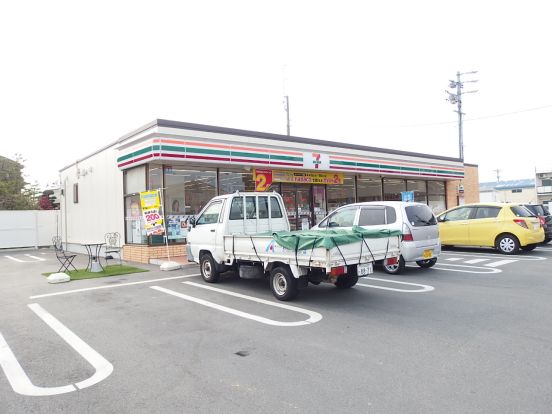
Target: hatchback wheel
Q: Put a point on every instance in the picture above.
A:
(507, 244)
(426, 263)
(394, 269)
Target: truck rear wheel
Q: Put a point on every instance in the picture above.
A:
(283, 283)
(346, 281)
(208, 268)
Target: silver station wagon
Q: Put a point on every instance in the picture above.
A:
(420, 233)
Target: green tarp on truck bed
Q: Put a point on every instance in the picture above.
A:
(308, 239)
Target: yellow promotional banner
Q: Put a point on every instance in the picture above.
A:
(153, 221)
(264, 177)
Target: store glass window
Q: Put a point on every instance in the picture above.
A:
(135, 180)
(186, 192)
(392, 189)
(232, 179)
(155, 177)
(134, 222)
(369, 189)
(341, 194)
(436, 196)
(420, 190)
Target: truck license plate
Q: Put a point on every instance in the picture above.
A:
(364, 269)
(427, 254)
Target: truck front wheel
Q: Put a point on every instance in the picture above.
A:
(208, 268)
(283, 284)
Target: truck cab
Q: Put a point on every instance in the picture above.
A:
(234, 214)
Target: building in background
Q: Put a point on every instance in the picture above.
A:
(543, 185)
(514, 191)
(192, 163)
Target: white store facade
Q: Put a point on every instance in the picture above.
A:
(192, 163)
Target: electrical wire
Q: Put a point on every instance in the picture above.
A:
(468, 119)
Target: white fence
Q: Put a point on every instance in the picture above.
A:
(28, 228)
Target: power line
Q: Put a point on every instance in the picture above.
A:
(466, 119)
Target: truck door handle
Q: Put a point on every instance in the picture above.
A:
(212, 230)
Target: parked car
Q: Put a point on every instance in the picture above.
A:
(420, 233)
(507, 227)
(545, 218)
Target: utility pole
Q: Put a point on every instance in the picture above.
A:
(497, 171)
(286, 108)
(456, 98)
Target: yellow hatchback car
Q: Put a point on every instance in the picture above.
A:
(504, 226)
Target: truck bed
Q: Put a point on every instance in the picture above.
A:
(263, 248)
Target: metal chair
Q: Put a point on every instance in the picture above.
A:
(112, 246)
(64, 259)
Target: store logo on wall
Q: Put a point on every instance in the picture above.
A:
(316, 160)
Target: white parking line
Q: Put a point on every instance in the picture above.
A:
(15, 259)
(39, 259)
(36, 259)
(66, 292)
(474, 261)
(313, 316)
(424, 288)
(472, 269)
(491, 255)
(500, 263)
(21, 383)
(102, 366)
(453, 259)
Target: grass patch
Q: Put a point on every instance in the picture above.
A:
(113, 270)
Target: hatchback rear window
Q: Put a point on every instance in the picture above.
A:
(535, 209)
(520, 211)
(420, 215)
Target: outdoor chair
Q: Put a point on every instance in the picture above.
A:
(64, 259)
(112, 246)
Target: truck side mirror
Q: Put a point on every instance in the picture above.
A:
(192, 221)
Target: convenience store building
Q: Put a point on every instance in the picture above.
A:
(192, 163)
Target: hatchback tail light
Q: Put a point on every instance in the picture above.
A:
(542, 221)
(521, 223)
(407, 236)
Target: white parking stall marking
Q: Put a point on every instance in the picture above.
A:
(35, 259)
(491, 255)
(67, 292)
(15, 259)
(422, 288)
(21, 383)
(465, 268)
(453, 259)
(500, 263)
(38, 259)
(474, 261)
(313, 316)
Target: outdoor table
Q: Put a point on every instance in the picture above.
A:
(93, 250)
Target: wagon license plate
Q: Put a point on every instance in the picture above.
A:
(536, 226)
(427, 254)
(364, 269)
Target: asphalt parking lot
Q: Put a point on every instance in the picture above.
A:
(473, 334)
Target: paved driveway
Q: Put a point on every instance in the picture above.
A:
(472, 334)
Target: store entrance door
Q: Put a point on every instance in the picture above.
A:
(305, 204)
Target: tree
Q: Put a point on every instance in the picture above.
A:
(15, 193)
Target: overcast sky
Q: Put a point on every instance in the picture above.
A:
(76, 76)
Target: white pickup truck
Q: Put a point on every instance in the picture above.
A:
(241, 232)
